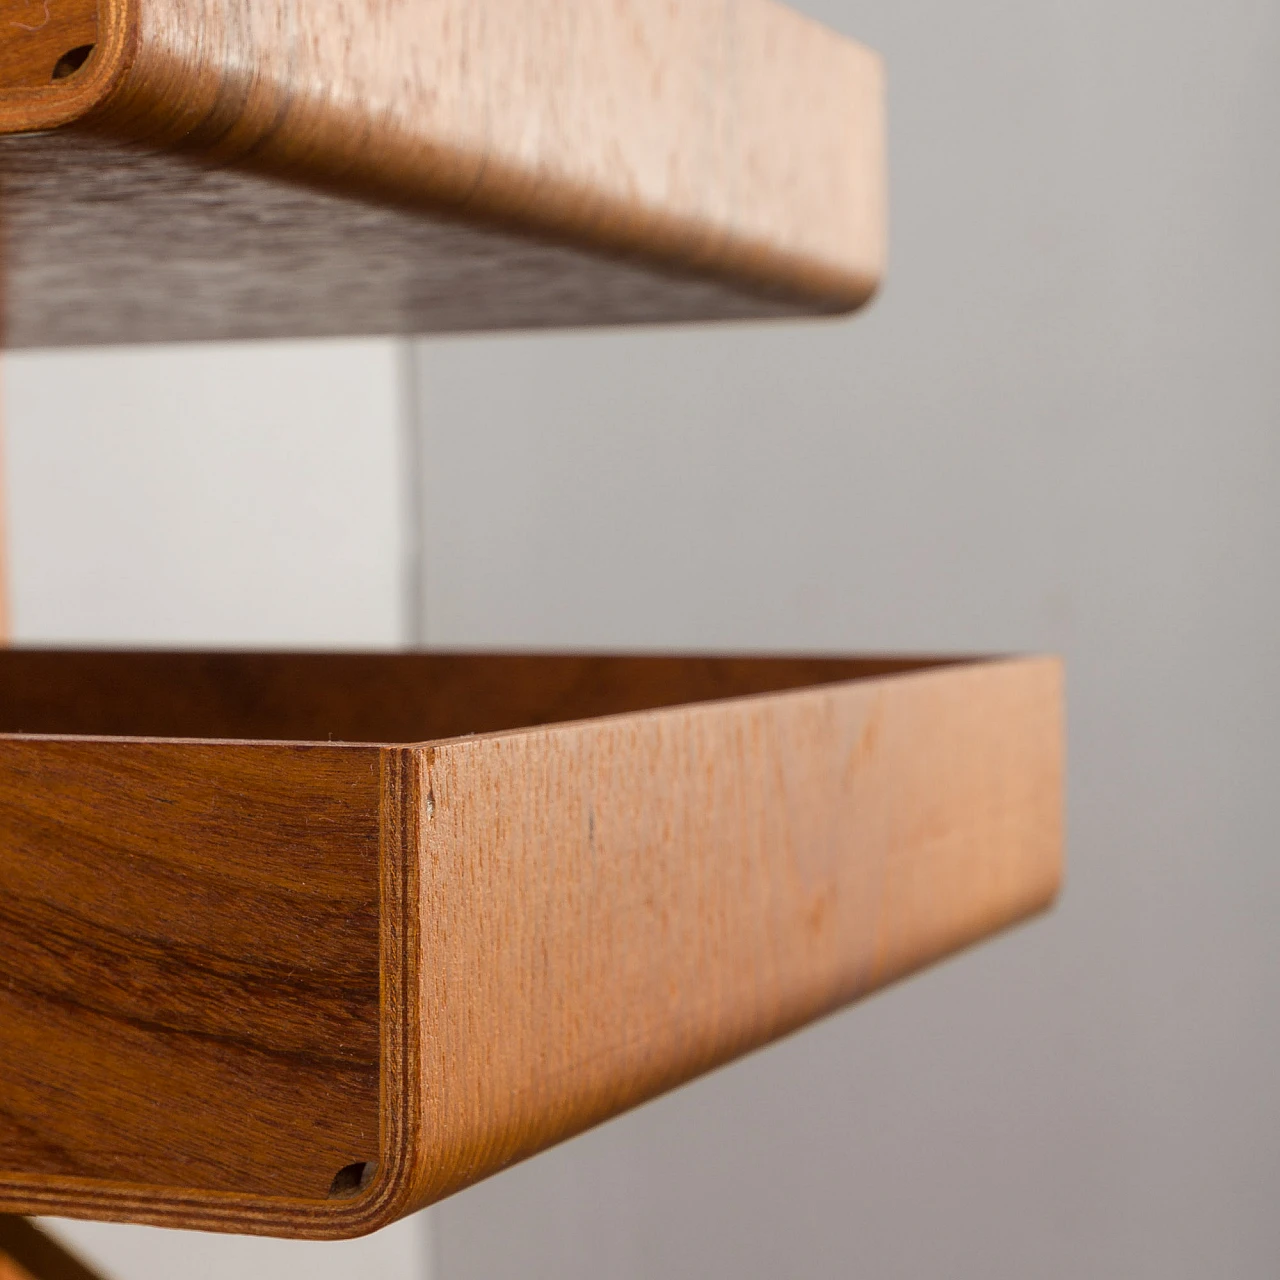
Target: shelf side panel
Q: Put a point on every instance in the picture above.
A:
(189, 944)
(610, 909)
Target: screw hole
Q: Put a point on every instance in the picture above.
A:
(352, 1179)
(72, 61)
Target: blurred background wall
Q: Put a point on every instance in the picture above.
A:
(1058, 429)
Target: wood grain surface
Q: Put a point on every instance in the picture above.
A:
(612, 908)
(254, 167)
(35, 38)
(189, 940)
(571, 917)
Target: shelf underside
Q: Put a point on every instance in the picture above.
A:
(250, 168)
(263, 979)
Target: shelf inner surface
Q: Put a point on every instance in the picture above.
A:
(378, 697)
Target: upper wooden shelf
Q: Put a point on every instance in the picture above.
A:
(185, 169)
(264, 971)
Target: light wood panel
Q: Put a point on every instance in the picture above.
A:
(237, 958)
(251, 167)
(610, 909)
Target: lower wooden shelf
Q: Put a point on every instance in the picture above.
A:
(265, 968)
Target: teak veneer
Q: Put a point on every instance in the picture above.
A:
(264, 971)
(185, 169)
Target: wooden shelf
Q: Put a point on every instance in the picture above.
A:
(267, 973)
(244, 168)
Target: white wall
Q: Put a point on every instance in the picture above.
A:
(244, 495)
(1058, 429)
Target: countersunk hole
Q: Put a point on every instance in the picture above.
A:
(352, 1179)
(72, 61)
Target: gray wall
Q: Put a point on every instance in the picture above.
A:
(1059, 428)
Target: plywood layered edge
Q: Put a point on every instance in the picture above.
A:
(560, 163)
(571, 918)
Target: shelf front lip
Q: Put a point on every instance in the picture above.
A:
(793, 210)
(418, 1173)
